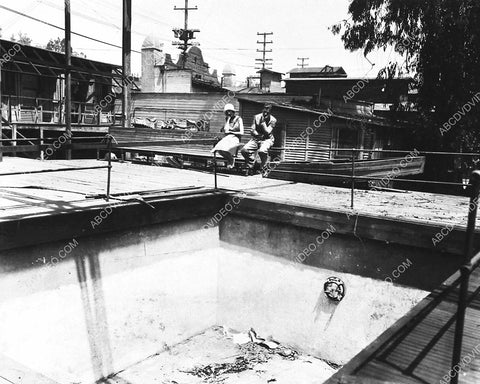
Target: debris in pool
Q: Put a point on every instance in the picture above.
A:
(252, 354)
(271, 344)
(237, 337)
(213, 370)
(256, 351)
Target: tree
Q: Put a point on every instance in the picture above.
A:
(22, 38)
(58, 45)
(439, 41)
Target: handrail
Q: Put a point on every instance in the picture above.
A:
(469, 265)
(107, 138)
(349, 150)
(108, 143)
(45, 143)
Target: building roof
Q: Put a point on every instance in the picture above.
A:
(42, 62)
(193, 59)
(152, 41)
(269, 71)
(228, 70)
(369, 119)
(346, 79)
(327, 70)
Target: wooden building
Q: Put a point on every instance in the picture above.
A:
(316, 133)
(206, 106)
(32, 88)
(378, 91)
(270, 81)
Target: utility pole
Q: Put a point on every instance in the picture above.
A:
(185, 34)
(303, 59)
(1, 110)
(68, 78)
(263, 61)
(126, 61)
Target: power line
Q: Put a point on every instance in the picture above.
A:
(76, 13)
(61, 28)
(108, 24)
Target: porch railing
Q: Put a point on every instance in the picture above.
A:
(37, 110)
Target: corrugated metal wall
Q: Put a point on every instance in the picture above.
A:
(192, 106)
(295, 125)
(321, 139)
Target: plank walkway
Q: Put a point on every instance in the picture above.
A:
(418, 348)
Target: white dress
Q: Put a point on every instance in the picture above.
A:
(233, 130)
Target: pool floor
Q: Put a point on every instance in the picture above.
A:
(214, 356)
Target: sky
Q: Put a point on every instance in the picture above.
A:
(228, 31)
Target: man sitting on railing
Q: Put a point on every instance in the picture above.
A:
(262, 139)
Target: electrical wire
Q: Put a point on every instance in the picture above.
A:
(63, 29)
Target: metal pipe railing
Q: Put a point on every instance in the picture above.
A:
(351, 176)
(215, 168)
(372, 150)
(52, 170)
(465, 270)
(352, 193)
(108, 139)
(108, 143)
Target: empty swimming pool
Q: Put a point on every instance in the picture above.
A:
(121, 302)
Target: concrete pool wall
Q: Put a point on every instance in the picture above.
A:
(112, 302)
(124, 294)
(397, 250)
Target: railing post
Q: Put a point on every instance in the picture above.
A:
(215, 167)
(465, 271)
(109, 146)
(40, 133)
(353, 178)
(14, 137)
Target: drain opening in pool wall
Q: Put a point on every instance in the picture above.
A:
(334, 289)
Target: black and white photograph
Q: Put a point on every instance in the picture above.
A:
(239, 191)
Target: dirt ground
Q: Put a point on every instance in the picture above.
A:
(416, 206)
(225, 356)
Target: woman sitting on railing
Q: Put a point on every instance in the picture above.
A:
(233, 129)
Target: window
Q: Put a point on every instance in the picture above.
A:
(347, 138)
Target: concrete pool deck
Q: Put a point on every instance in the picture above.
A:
(53, 192)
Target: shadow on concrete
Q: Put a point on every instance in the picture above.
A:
(90, 280)
(114, 380)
